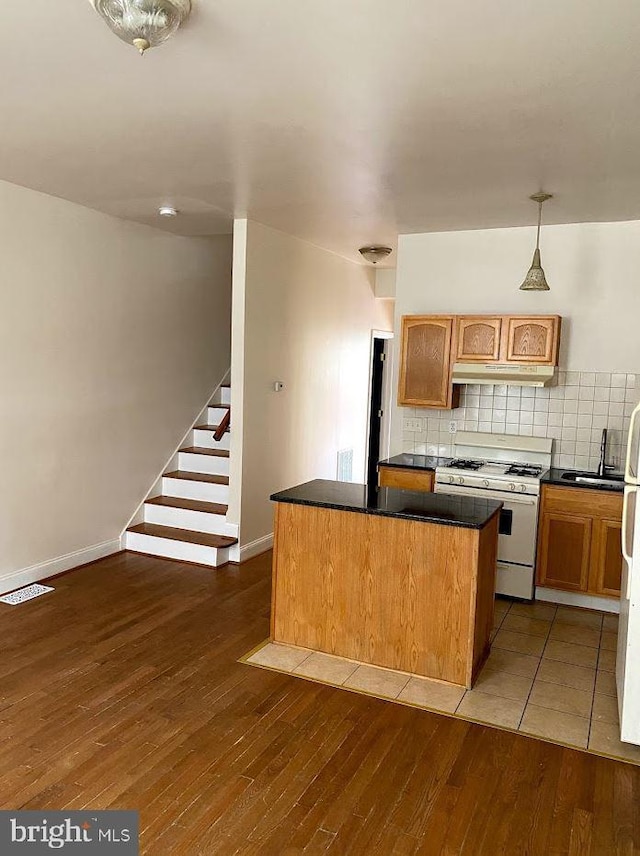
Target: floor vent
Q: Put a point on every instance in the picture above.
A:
(27, 593)
(345, 465)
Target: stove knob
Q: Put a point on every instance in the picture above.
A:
(450, 479)
(512, 486)
(486, 482)
(460, 480)
(523, 488)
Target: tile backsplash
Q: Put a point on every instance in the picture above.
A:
(572, 413)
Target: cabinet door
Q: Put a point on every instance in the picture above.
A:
(478, 339)
(425, 367)
(533, 339)
(564, 550)
(606, 566)
(405, 479)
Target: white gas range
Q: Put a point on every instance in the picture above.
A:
(507, 468)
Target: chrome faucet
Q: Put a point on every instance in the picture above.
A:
(602, 466)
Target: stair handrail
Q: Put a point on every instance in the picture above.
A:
(223, 427)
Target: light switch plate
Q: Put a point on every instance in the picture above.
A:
(412, 424)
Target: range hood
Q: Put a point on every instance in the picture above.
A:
(503, 373)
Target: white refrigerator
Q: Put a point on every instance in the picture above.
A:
(628, 657)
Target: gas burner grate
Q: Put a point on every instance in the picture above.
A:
(462, 464)
(527, 470)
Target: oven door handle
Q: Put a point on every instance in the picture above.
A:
(499, 496)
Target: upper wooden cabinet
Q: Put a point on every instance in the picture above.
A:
(479, 339)
(431, 344)
(508, 339)
(425, 363)
(579, 540)
(532, 340)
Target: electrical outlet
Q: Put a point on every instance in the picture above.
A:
(412, 424)
(453, 427)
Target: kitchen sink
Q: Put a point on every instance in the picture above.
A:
(610, 481)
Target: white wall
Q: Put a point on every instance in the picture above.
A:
(111, 337)
(306, 317)
(592, 269)
(385, 283)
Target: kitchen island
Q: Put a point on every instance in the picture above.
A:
(393, 578)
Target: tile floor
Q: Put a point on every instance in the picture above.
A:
(550, 674)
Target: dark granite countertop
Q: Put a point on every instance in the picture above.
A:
(555, 476)
(465, 511)
(415, 462)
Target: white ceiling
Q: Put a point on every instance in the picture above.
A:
(342, 121)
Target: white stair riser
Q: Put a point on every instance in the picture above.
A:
(176, 549)
(216, 414)
(185, 489)
(211, 464)
(196, 521)
(205, 440)
(225, 394)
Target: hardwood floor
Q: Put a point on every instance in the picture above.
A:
(121, 690)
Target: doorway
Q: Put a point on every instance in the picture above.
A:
(379, 403)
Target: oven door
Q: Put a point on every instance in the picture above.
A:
(518, 522)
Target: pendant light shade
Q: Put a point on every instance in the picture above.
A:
(143, 23)
(535, 280)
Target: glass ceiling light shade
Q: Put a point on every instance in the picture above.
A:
(143, 23)
(375, 254)
(535, 280)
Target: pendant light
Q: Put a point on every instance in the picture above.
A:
(535, 279)
(143, 23)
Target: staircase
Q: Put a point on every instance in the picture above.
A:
(188, 521)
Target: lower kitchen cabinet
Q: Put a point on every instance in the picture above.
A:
(608, 558)
(579, 541)
(564, 552)
(405, 478)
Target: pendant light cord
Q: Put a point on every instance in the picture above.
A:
(539, 222)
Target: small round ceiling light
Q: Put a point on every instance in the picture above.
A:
(375, 254)
(167, 211)
(143, 23)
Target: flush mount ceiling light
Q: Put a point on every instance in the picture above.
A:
(535, 279)
(167, 211)
(143, 23)
(375, 254)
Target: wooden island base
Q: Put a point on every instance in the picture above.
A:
(404, 594)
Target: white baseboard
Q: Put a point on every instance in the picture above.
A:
(26, 576)
(569, 598)
(254, 548)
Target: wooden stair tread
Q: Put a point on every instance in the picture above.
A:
(202, 450)
(200, 538)
(201, 477)
(212, 428)
(224, 406)
(188, 504)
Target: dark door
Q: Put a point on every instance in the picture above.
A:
(375, 419)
